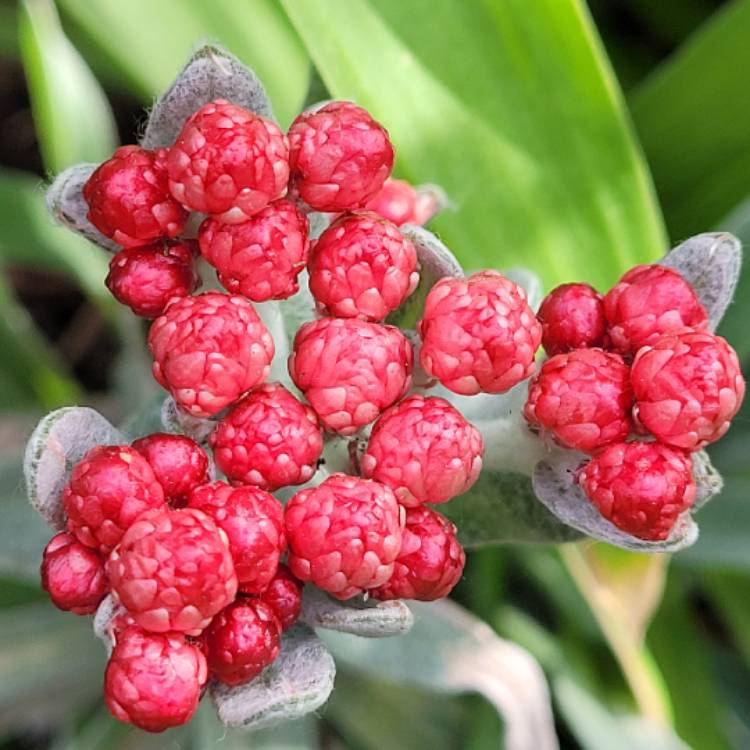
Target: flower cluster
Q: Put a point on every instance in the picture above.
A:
(207, 574)
(636, 362)
(194, 565)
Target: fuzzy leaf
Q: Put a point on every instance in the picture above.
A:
(212, 73)
(66, 204)
(553, 482)
(501, 508)
(711, 262)
(105, 613)
(59, 441)
(450, 650)
(369, 618)
(179, 422)
(435, 262)
(435, 259)
(707, 479)
(298, 682)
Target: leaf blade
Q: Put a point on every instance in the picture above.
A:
(73, 119)
(568, 217)
(705, 171)
(257, 32)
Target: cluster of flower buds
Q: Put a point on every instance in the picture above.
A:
(207, 574)
(636, 380)
(254, 186)
(194, 565)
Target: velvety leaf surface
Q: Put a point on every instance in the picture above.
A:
(368, 618)
(298, 682)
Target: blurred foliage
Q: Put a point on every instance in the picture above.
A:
(528, 163)
(512, 106)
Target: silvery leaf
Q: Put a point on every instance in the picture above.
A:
(177, 421)
(298, 682)
(60, 441)
(436, 261)
(711, 262)
(105, 613)
(212, 73)
(66, 204)
(708, 481)
(554, 484)
(449, 650)
(369, 618)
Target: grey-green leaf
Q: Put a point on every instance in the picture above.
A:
(501, 508)
(436, 261)
(555, 486)
(108, 609)
(298, 682)
(212, 73)
(66, 204)
(450, 650)
(179, 422)
(369, 618)
(59, 441)
(711, 262)
(708, 481)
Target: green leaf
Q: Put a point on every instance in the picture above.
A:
(165, 35)
(206, 731)
(449, 650)
(734, 325)
(23, 533)
(693, 118)
(581, 703)
(511, 108)
(501, 508)
(724, 524)
(677, 640)
(367, 618)
(8, 31)
(372, 715)
(72, 116)
(596, 727)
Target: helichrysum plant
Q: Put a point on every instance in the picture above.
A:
(337, 387)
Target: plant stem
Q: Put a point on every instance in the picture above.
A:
(637, 665)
